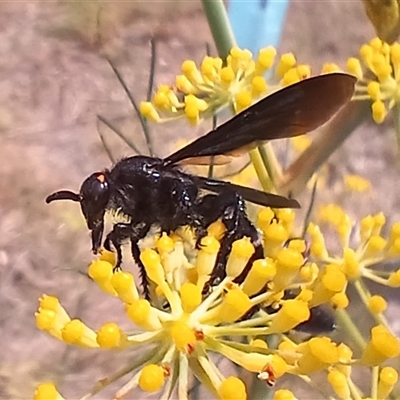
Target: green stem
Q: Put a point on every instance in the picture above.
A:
(347, 324)
(259, 167)
(271, 163)
(396, 117)
(220, 27)
(224, 41)
(365, 295)
(374, 382)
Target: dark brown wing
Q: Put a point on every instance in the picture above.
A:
(291, 111)
(249, 194)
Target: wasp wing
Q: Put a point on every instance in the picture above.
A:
(291, 111)
(249, 194)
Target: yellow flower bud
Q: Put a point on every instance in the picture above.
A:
(284, 394)
(148, 111)
(292, 313)
(239, 256)
(261, 272)
(76, 332)
(101, 272)
(110, 336)
(266, 58)
(47, 391)
(383, 345)
(354, 67)
(190, 296)
(339, 384)
(377, 304)
(286, 62)
(387, 379)
(318, 353)
(328, 68)
(379, 111)
(143, 315)
(243, 100)
(232, 388)
(124, 284)
(183, 336)
(151, 378)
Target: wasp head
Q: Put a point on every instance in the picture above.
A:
(93, 197)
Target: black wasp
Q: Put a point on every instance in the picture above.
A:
(156, 192)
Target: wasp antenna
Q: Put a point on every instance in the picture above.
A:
(63, 195)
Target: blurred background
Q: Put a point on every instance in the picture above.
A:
(53, 83)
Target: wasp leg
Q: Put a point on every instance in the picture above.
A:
(137, 234)
(120, 232)
(231, 208)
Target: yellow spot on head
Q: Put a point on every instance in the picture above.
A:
(101, 178)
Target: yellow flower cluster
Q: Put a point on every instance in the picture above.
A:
(358, 260)
(184, 333)
(378, 73)
(202, 90)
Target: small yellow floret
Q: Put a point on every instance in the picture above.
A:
(330, 67)
(351, 264)
(110, 336)
(339, 384)
(243, 100)
(290, 77)
(47, 391)
(76, 332)
(354, 67)
(232, 388)
(383, 345)
(260, 273)
(190, 296)
(357, 183)
(240, 254)
(234, 305)
(318, 353)
(377, 304)
(286, 62)
(265, 217)
(374, 90)
(340, 300)
(394, 279)
(142, 314)
(101, 272)
(148, 111)
(292, 313)
(227, 74)
(303, 71)
(124, 284)
(183, 336)
(217, 229)
(151, 378)
(284, 394)
(379, 111)
(164, 244)
(259, 86)
(108, 256)
(387, 379)
(152, 264)
(266, 57)
(206, 258)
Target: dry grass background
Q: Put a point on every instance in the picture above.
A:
(53, 82)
